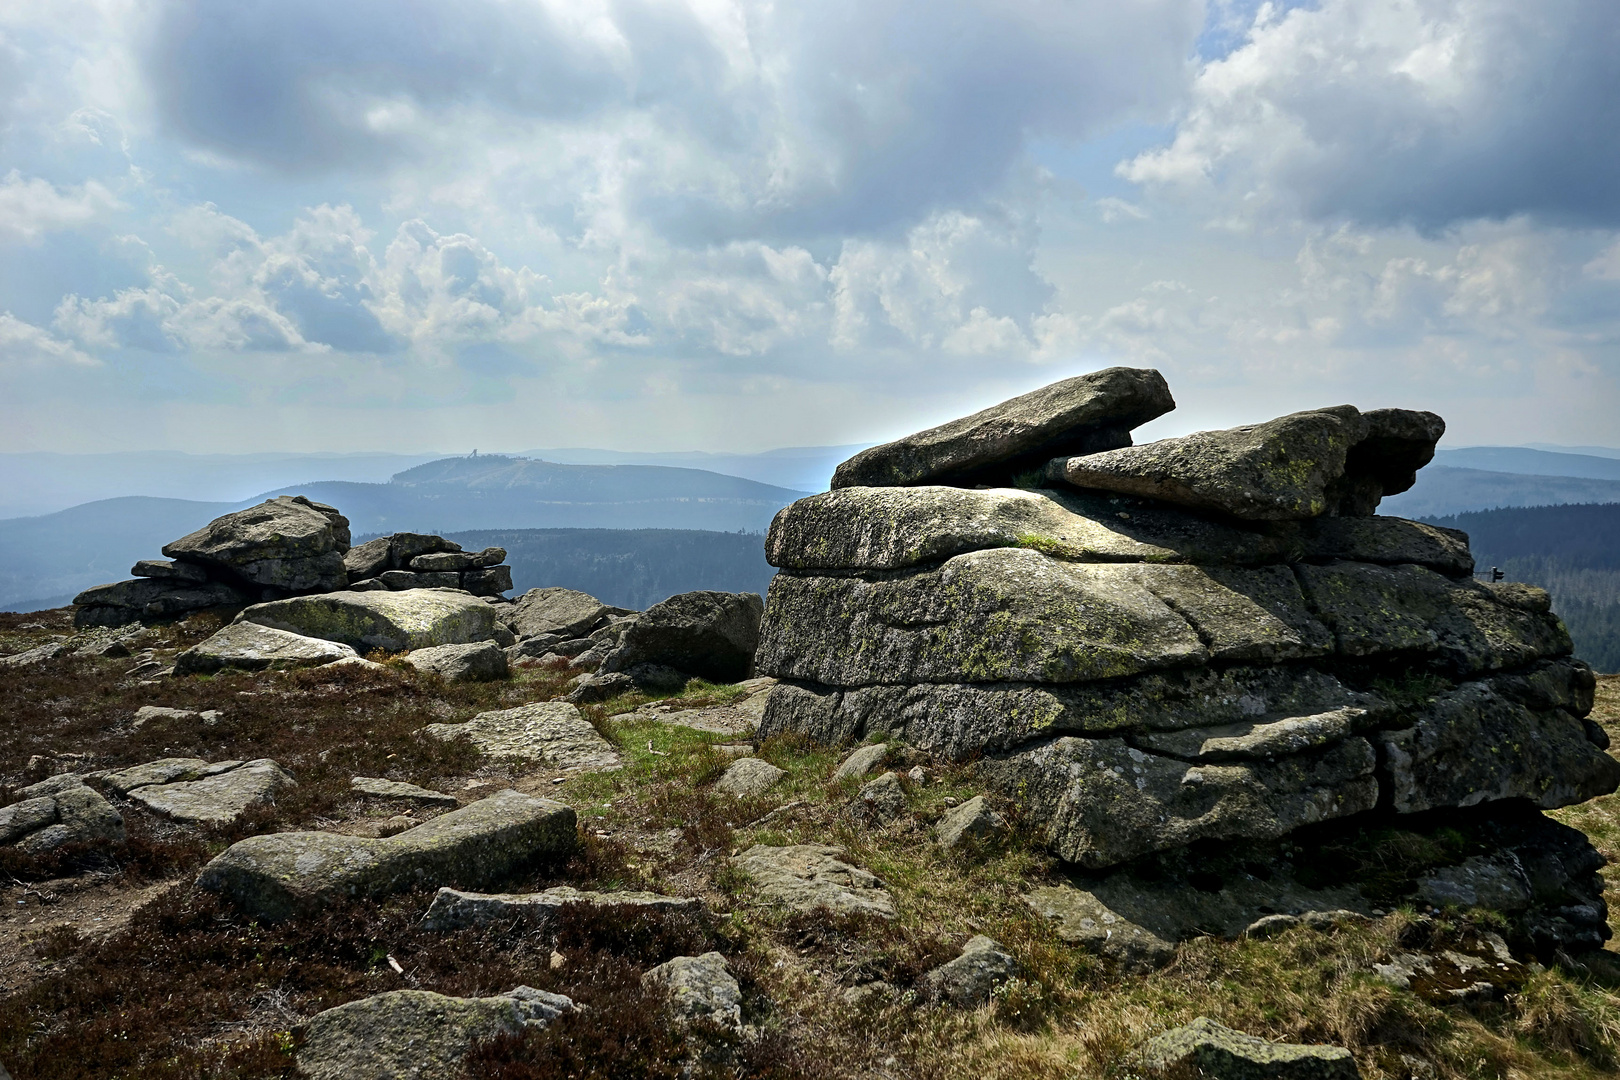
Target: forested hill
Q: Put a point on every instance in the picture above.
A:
(1572, 551)
(632, 568)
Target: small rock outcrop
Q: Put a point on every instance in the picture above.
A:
(416, 1033)
(553, 732)
(807, 877)
(452, 909)
(972, 822)
(711, 635)
(1206, 1048)
(748, 776)
(279, 875)
(701, 990)
(423, 561)
(417, 619)
(58, 811)
(1210, 638)
(288, 543)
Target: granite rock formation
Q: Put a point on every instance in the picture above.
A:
(1204, 639)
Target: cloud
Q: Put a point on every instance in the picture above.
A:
(705, 121)
(31, 208)
(25, 345)
(1426, 112)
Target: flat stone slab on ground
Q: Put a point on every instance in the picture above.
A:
(553, 732)
(219, 797)
(395, 789)
(748, 776)
(1081, 919)
(415, 1034)
(278, 875)
(1216, 1051)
(452, 909)
(148, 713)
(805, 877)
(249, 646)
(739, 718)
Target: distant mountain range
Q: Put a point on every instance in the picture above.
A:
(45, 560)
(1442, 489)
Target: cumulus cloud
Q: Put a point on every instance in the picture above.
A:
(25, 345)
(30, 208)
(1427, 112)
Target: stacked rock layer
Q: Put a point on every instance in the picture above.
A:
(1210, 638)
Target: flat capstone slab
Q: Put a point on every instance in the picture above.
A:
(279, 875)
(805, 877)
(413, 619)
(251, 647)
(416, 1034)
(453, 909)
(1209, 1049)
(552, 731)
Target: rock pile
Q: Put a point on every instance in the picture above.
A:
(286, 546)
(1204, 639)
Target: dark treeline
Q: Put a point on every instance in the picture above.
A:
(633, 568)
(1572, 551)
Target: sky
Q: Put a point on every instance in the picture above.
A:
(732, 225)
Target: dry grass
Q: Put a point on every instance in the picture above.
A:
(189, 989)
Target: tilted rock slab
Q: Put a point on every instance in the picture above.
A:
(1213, 1050)
(288, 542)
(1075, 416)
(378, 788)
(452, 909)
(479, 661)
(1298, 466)
(279, 875)
(416, 1034)
(416, 619)
(201, 792)
(551, 731)
(805, 877)
(248, 646)
(567, 613)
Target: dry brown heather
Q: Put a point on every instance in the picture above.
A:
(124, 971)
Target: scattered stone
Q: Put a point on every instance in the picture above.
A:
(415, 619)
(1223, 1054)
(553, 732)
(1081, 919)
(1075, 416)
(1272, 925)
(971, 823)
(739, 718)
(249, 646)
(479, 661)
(200, 792)
(712, 635)
(453, 910)
(805, 877)
(869, 995)
(968, 981)
(394, 789)
(366, 561)
(416, 1034)
(748, 776)
(37, 655)
(883, 798)
(861, 762)
(592, 689)
(1478, 968)
(278, 875)
(286, 543)
(701, 989)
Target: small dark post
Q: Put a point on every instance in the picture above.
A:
(1496, 574)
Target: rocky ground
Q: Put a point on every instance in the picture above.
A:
(112, 964)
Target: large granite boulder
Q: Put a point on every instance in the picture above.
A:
(564, 613)
(249, 646)
(1076, 416)
(417, 619)
(151, 598)
(1202, 643)
(287, 543)
(478, 661)
(712, 635)
(416, 1034)
(278, 875)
